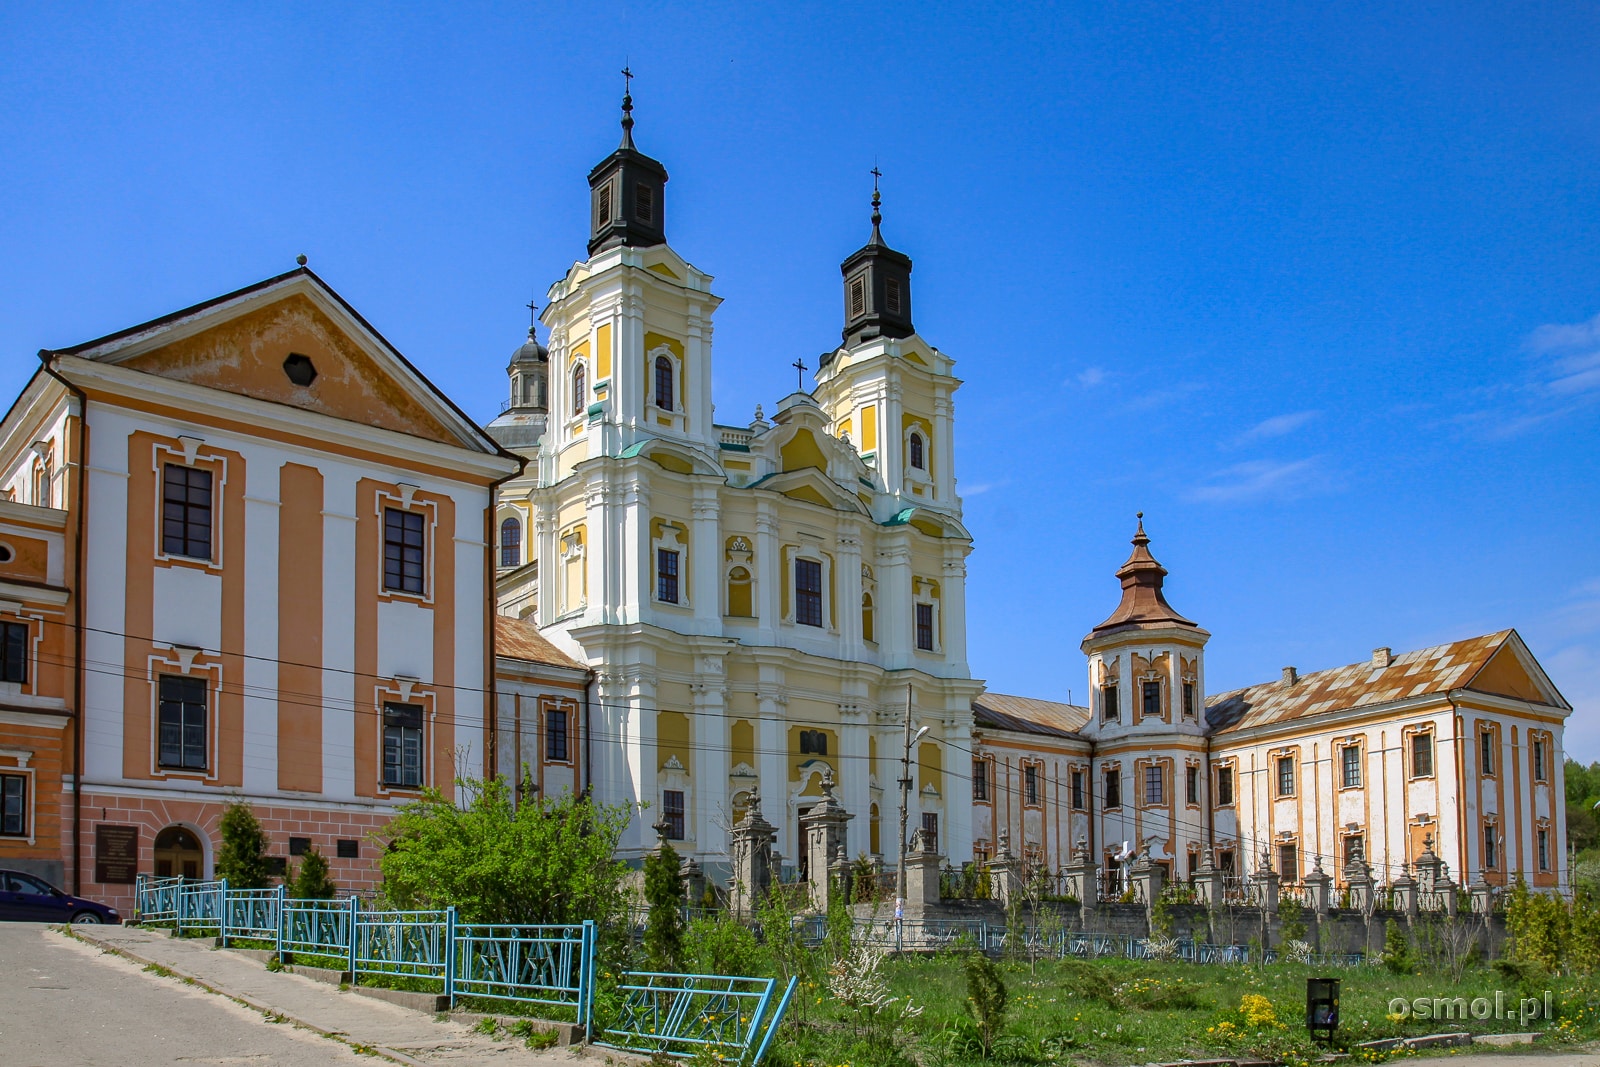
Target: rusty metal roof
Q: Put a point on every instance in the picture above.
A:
(516, 639)
(1425, 672)
(1028, 716)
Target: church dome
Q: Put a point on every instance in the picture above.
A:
(531, 352)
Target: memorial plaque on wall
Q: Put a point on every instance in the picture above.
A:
(116, 854)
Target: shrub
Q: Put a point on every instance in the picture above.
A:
(721, 945)
(243, 857)
(540, 861)
(986, 998)
(311, 881)
(663, 893)
(1396, 949)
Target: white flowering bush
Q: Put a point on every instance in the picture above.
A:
(857, 982)
(1297, 951)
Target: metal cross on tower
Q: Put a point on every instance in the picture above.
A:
(800, 369)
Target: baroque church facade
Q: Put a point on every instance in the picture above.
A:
(285, 569)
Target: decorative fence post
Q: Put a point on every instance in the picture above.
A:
(1208, 880)
(1405, 893)
(753, 857)
(1482, 894)
(1003, 881)
(450, 955)
(355, 907)
(282, 897)
(824, 829)
(586, 969)
(1317, 887)
(222, 912)
(178, 911)
(923, 863)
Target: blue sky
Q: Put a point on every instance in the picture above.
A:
(1316, 287)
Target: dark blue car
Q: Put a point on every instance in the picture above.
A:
(30, 899)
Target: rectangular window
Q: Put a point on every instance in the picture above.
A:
(348, 848)
(858, 297)
(1421, 755)
(1538, 759)
(1353, 847)
(1289, 862)
(1544, 849)
(299, 846)
(1491, 846)
(402, 745)
(182, 715)
(1191, 785)
(1030, 783)
(1108, 703)
(1153, 791)
(666, 576)
(1286, 776)
(13, 805)
(925, 627)
(404, 545)
(1077, 791)
(555, 735)
(1113, 788)
(1190, 708)
(1151, 694)
(808, 592)
(602, 205)
(186, 511)
(1224, 787)
(1350, 766)
(813, 743)
(644, 203)
(980, 779)
(891, 296)
(672, 812)
(14, 652)
(1225, 862)
(1486, 753)
(930, 830)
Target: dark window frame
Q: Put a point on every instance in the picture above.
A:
(1110, 703)
(14, 805)
(1284, 768)
(980, 779)
(1113, 787)
(664, 384)
(1491, 847)
(1077, 790)
(1030, 785)
(672, 813)
(1155, 785)
(1289, 861)
(404, 743)
(667, 560)
(1150, 700)
(511, 547)
(183, 726)
(557, 747)
(916, 452)
(1542, 847)
(930, 830)
(644, 203)
(813, 743)
(1190, 708)
(858, 295)
(14, 652)
(808, 592)
(1486, 753)
(1417, 769)
(405, 551)
(580, 390)
(891, 296)
(1541, 762)
(1225, 796)
(924, 614)
(1350, 768)
(1191, 785)
(188, 512)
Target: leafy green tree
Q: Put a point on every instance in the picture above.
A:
(1539, 927)
(540, 861)
(311, 881)
(986, 998)
(243, 857)
(663, 892)
(1396, 949)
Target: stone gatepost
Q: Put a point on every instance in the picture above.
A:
(1482, 895)
(1208, 883)
(1430, 868)
(923, 865)
(694, 882)
(824, 829)
(1267, 880)
(1447, 889)
(750, 841)
(1405, 895)
(1085, 877)
(1319, 888)
(1148, 877)
(1004, 883)
(1359, 877)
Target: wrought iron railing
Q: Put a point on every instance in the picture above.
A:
(686, 1014)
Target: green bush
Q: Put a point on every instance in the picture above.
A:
(242, 859)
(663, 894)
(1396, 949)
(311, 881)
(986, 998)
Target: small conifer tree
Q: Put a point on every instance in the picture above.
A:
(311, 881)
(243, 857)
(663, 892)
(1396, 948)
(986, 997)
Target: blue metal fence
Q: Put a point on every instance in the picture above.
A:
(684, 1014)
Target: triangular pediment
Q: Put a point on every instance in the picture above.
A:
(813, 487)
(264, 342)
(1512, 672)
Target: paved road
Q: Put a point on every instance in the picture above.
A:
(70, 1005)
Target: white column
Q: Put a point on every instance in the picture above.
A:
(890, 445)
(697, 360)
(958, 801)
(768, 573)
(639, 754)
(855, 777)
(944, 473)
(709, 772)
(635, 552)
(894, 601)
(953, 608)
(705, 560)
(851, 646)
(772, 761)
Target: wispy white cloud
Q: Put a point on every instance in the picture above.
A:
(1088, 378)
(1277, 426)
(1563, 377)
(1263, 479)
(1160, 398)
(1571, 356)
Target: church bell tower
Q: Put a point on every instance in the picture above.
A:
(625, 193)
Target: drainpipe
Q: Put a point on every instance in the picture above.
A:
(491, 758)
(79, 492)
(588, 737)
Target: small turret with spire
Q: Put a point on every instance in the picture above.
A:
(1143, 602)
(877, 284)
(626, 191)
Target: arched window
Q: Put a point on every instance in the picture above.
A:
(511, 543)
(580, 390)
(663, 383)
(917, 459)
(867, 633)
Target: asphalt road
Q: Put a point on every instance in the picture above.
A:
(69, 1005)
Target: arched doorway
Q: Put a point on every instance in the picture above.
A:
(178, 852)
